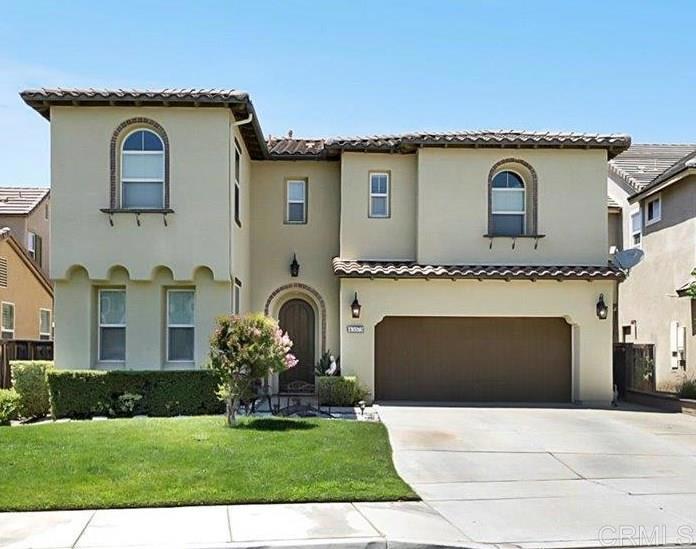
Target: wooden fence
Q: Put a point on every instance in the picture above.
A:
(21, 349)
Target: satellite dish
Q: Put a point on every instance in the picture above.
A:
(627, 259)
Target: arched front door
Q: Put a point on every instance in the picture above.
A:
(296, 317)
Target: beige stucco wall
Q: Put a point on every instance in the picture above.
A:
(573, 300)
(315, 243)
(453, 207)
(648, 296)
(39, 224)
(240, 251)
(363, 237)
(197, 233)
(26, 292)
(76, 309)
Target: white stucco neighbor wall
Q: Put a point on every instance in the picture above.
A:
(573, 300)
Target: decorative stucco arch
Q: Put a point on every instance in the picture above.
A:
(297, 288)
(531, 180)
(114, 154)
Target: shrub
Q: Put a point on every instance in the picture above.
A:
(244, 349)
(29, 380)
(340, 391)
(688, 389)
(87, 393)
(9, 406)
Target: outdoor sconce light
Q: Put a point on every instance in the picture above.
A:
(602, 309)
(355, 307)
(294, 267)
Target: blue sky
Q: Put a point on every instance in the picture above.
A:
(358, 67)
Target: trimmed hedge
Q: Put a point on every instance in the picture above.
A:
(339, 391)
(9, 405)
(87, 393)
(29, 380)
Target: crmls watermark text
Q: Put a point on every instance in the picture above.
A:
(630, 534)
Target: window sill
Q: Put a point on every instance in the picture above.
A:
(137, 213)
(535, 237)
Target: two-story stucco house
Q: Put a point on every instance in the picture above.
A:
(656, 187)
(464, 266)
(26, 212)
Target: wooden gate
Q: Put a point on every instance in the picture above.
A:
(634, 367)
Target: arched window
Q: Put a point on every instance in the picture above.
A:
(142, 171)
(508, 204)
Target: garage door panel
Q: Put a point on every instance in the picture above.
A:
(473, 359)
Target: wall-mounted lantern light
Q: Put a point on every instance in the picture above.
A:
(602, 309)
(355, 306)
(294, 266)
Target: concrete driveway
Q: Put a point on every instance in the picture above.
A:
(551, 477)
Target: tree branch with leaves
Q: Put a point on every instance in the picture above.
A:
(244, 349)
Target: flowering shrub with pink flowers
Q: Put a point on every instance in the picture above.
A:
(244, 349)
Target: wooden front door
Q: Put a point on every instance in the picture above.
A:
(297, 319)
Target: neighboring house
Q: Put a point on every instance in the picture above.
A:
(656, 187)
(26, 295)
(26, 211)
(466, 266)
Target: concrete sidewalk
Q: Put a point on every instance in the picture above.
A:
(335, 525)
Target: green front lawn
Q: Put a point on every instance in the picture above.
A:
(194, 461)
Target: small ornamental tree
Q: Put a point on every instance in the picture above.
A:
(245, 349)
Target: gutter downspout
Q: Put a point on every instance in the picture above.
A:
(230, 196)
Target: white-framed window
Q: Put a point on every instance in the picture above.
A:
(180, 325)
(45, 324)
(112, 325)
(7, 322)
(142, 171)
(296, 206)
(379, 194)
(508, 204)
(677, 341)
(237, 179)
(34, 246)
(636, 229)
(653, 210)
(237, 297)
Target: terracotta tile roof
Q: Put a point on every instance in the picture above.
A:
(21, 200)
(644, 162)
(290, 148)
(238, 101)
(350, 268)
(409, 142)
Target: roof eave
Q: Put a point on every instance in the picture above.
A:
(241, 109)
(660, 185)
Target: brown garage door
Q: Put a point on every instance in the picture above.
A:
(473, 359)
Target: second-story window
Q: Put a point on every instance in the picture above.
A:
(34, 247)
(296, 207)
(653, 210)
(636, 229)
(379, 194)
(142, 171)
(508, 204)
(237, 178)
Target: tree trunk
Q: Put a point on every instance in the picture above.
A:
(232, 405)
